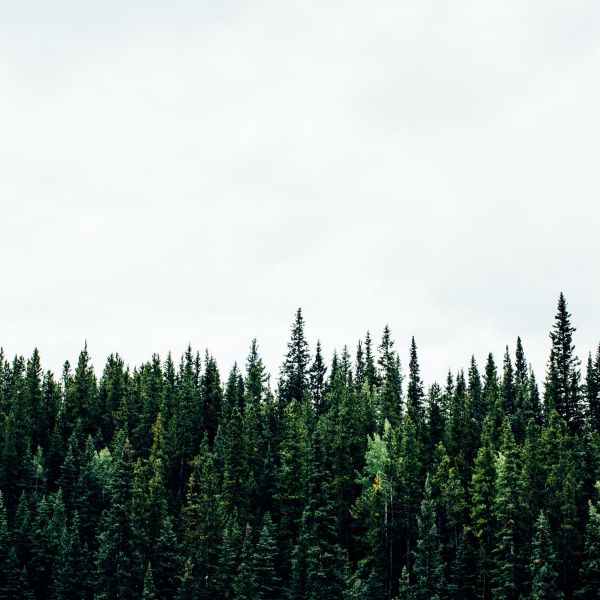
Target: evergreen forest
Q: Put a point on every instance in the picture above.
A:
(345, 477)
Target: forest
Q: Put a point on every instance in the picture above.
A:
(343, 478)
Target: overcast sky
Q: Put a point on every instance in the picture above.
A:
(194, 171)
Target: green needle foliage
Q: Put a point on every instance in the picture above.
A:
(168, 481)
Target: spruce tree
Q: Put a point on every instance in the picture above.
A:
(428, 566)
(118, 570)
(325, 558)
(415, 392)
(592, 390)
(544, 578)
(390, 394)
(295, 371)
(245, 584)
(149, 591)
(563, 392)
(589, 575)
(482, 499)
(265, 563)
(317, 380)
(508, 510)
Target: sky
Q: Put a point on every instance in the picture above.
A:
(193, 172)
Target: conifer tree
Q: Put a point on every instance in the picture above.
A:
(409, 487)
(229, 557)
(245, 584)
(10, 574)
(325, 560)
(482, 498)
(508, 510)
(589, 575)
(149, 591)
(371, 375)
(117, 563)
(390, 394)
(317, 380)
(292, 475)
(202, 521)
(265, 563)
(415, 392)
(508, 386)
(592, 388)
(256, 377)
(543, 574)
(428, 565)
(294, 380)
(563, 377)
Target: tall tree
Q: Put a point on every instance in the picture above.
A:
(428, 566)
(295, 371)
(563, 378)
(589, 575)
(544, 584)
(415, 392)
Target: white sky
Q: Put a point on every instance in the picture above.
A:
(195, 171)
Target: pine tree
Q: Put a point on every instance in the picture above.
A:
(265, 562)
(229, 557)
(10, 574)
(317, 380)
(245, 584)
(325, 559)
(372, 513)
(589, 575)
(482, 497)
(563, 379)
(294, 380)
(256, 377)
(390, 394)
(202, 521)
(592, 388)
(292, 475)
(428, 566)
(117, 562)
(508, 510)
(415, 392)
(544, 577)
(508, 386)
(409, 492)
(371, 375)
(149, 591)
(167, 561)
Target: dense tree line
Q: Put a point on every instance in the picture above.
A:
(347, 480)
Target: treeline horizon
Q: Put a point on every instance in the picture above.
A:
(345, 479)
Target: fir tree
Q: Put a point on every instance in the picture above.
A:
(317, 380)
(415, 392)
(428, 566)
(265, 562)
(294, 381)
(543, 574)
(562, 381)
(589, 575)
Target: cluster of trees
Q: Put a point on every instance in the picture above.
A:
(349, 480)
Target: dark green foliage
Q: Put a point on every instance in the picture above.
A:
(390, 393)
(428, 566)
(162, 482)
(317, 380)
(589, 575)
(295, 371)
(268, 585)
(563, 392)
(414, 393)
(544, 579)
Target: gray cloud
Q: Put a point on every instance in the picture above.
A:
(174, 172)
